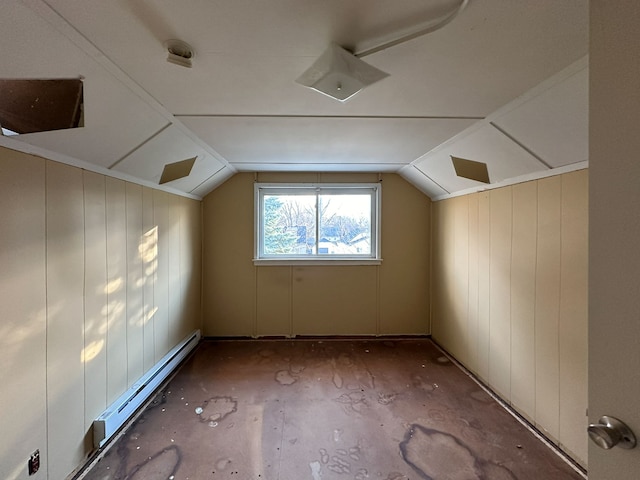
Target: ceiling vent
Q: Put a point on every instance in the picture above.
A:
(179, 53)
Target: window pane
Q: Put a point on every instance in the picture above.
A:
(345, 224)
(289, 224)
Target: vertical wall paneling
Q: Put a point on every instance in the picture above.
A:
(334, 300)
(472, 328)
(22, 313)
(273, 292)
(523, 294)
(547, 307)
(65, 318)
(175, 289)
(500, 291)
(241, 299)
(460, 279)
(116, 289)
(437, 269)
(525, 329)
(229, 277)
(161, 274)
(135, 300)
(191, 254)
(148, 251)
(94, 353)
(405, 251)
(78, 297)
(443, 279)
(484, 262)
(573, 341)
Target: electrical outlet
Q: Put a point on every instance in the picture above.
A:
(34, 462)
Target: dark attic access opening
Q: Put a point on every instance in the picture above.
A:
(31, 105)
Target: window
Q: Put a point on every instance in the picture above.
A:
(314, 223)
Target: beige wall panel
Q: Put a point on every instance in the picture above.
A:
(473, 312)
(400, 299)
(340, 177)
(135, 299)
(190, 264)
(548, 305)
(524, 331)
(287, 177)
(523, 294)
(443, 277)
(437, 269)
(573, 326)
(65, 320)
(22, 312)
(161, 275)
(94, 354)
(229, 274)
(484, 285)
(404, 273)
(175, 282)
(274, 301)
(76, 269)
(334, 300)
(148, 255)
(500, 293)
(460, 282)
(116, 288)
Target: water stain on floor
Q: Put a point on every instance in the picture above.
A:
(325, 410)
(438, 455)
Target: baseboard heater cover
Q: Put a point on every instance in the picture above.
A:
(110, 421)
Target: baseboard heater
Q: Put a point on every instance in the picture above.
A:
(114, 417)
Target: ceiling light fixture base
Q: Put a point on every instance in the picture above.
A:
(339, 74)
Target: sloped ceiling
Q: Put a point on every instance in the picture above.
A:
(505, 83)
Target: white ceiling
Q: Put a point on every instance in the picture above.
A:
(504, 83)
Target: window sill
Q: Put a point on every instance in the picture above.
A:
(265, 262)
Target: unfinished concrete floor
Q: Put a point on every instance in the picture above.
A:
(326, 409)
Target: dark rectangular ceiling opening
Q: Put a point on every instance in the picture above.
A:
(31, 105)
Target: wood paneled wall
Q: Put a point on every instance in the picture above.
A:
(509, 297)
(240, 299)
(99, 278)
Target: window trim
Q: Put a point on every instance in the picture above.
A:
(373, 259)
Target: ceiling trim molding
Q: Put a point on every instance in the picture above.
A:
(347, 117)
(19, 146)
(57, 21)
(564, 74)
(515, 180)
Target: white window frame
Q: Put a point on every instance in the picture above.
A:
(374, 258)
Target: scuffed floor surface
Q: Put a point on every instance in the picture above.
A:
(324, 410)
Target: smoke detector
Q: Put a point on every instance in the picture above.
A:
(179, 53)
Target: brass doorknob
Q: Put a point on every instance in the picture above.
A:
(609, 432)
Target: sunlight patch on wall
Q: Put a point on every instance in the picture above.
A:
(91, 351)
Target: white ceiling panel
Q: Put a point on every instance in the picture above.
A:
(115, 120)
(555, 124)
(169, 146)
(249, 53)
(504, 159)
(423, 183)
(326, 141)
(205, 168)
(240, 98)
(213, 182)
